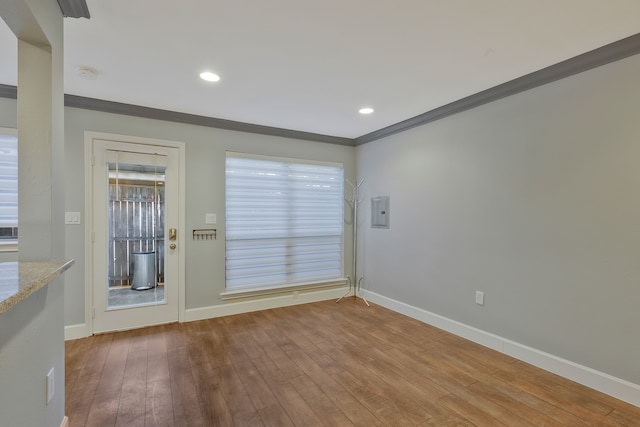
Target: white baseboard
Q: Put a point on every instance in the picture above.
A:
(65, 422)
(73, 332)
(238, 307)
(605, 383)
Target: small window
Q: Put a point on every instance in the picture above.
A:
(8, 186)
(284, 223)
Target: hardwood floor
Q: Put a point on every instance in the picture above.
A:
(321, 364)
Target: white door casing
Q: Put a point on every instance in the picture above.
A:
(103, 149)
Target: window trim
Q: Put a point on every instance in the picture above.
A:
(280, 289)
(230, 294)
(282, 159)
(9, 245)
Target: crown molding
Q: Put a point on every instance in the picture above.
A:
(601, 56)
(173, 116)
(74, 8)
(7, 91)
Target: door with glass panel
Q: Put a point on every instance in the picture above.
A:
(135, 230)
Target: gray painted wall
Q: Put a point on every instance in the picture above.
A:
(205, 159)
(533, 199)
(31, 343)
(32, 333)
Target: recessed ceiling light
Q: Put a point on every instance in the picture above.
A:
(209, 76)
(366, 110)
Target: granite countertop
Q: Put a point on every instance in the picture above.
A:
(18, 280)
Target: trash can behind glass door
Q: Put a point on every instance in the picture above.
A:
(144, 270)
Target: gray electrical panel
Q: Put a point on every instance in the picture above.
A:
(380, 212)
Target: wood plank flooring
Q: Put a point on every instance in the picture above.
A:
(321, 364)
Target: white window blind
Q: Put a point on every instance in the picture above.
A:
(284, 222)
(8, 186)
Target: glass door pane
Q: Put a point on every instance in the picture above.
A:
(136, 227)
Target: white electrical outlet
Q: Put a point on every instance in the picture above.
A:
(479, 298)
(51, 385)
(210, 218)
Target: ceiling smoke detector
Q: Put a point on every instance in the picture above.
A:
(87, 73)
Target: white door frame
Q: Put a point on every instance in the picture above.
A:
(89, 137)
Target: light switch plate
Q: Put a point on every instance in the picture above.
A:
(72, 218)
(210, 218)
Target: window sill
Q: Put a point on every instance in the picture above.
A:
(270, 290)
(9, 246)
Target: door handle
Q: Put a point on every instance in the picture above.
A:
(173, 234)
(172, 246)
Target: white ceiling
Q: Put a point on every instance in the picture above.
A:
(310, 65)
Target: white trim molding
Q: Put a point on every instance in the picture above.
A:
(600, 381)
(89, 137)
(270, 290)
(286, 299)
(73, 332)
(9, 246)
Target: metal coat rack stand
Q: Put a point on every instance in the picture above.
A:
(356, 283)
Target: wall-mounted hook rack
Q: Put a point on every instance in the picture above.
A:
(205, 234)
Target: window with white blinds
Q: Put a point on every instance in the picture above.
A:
(284, 223)
(8, 186)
